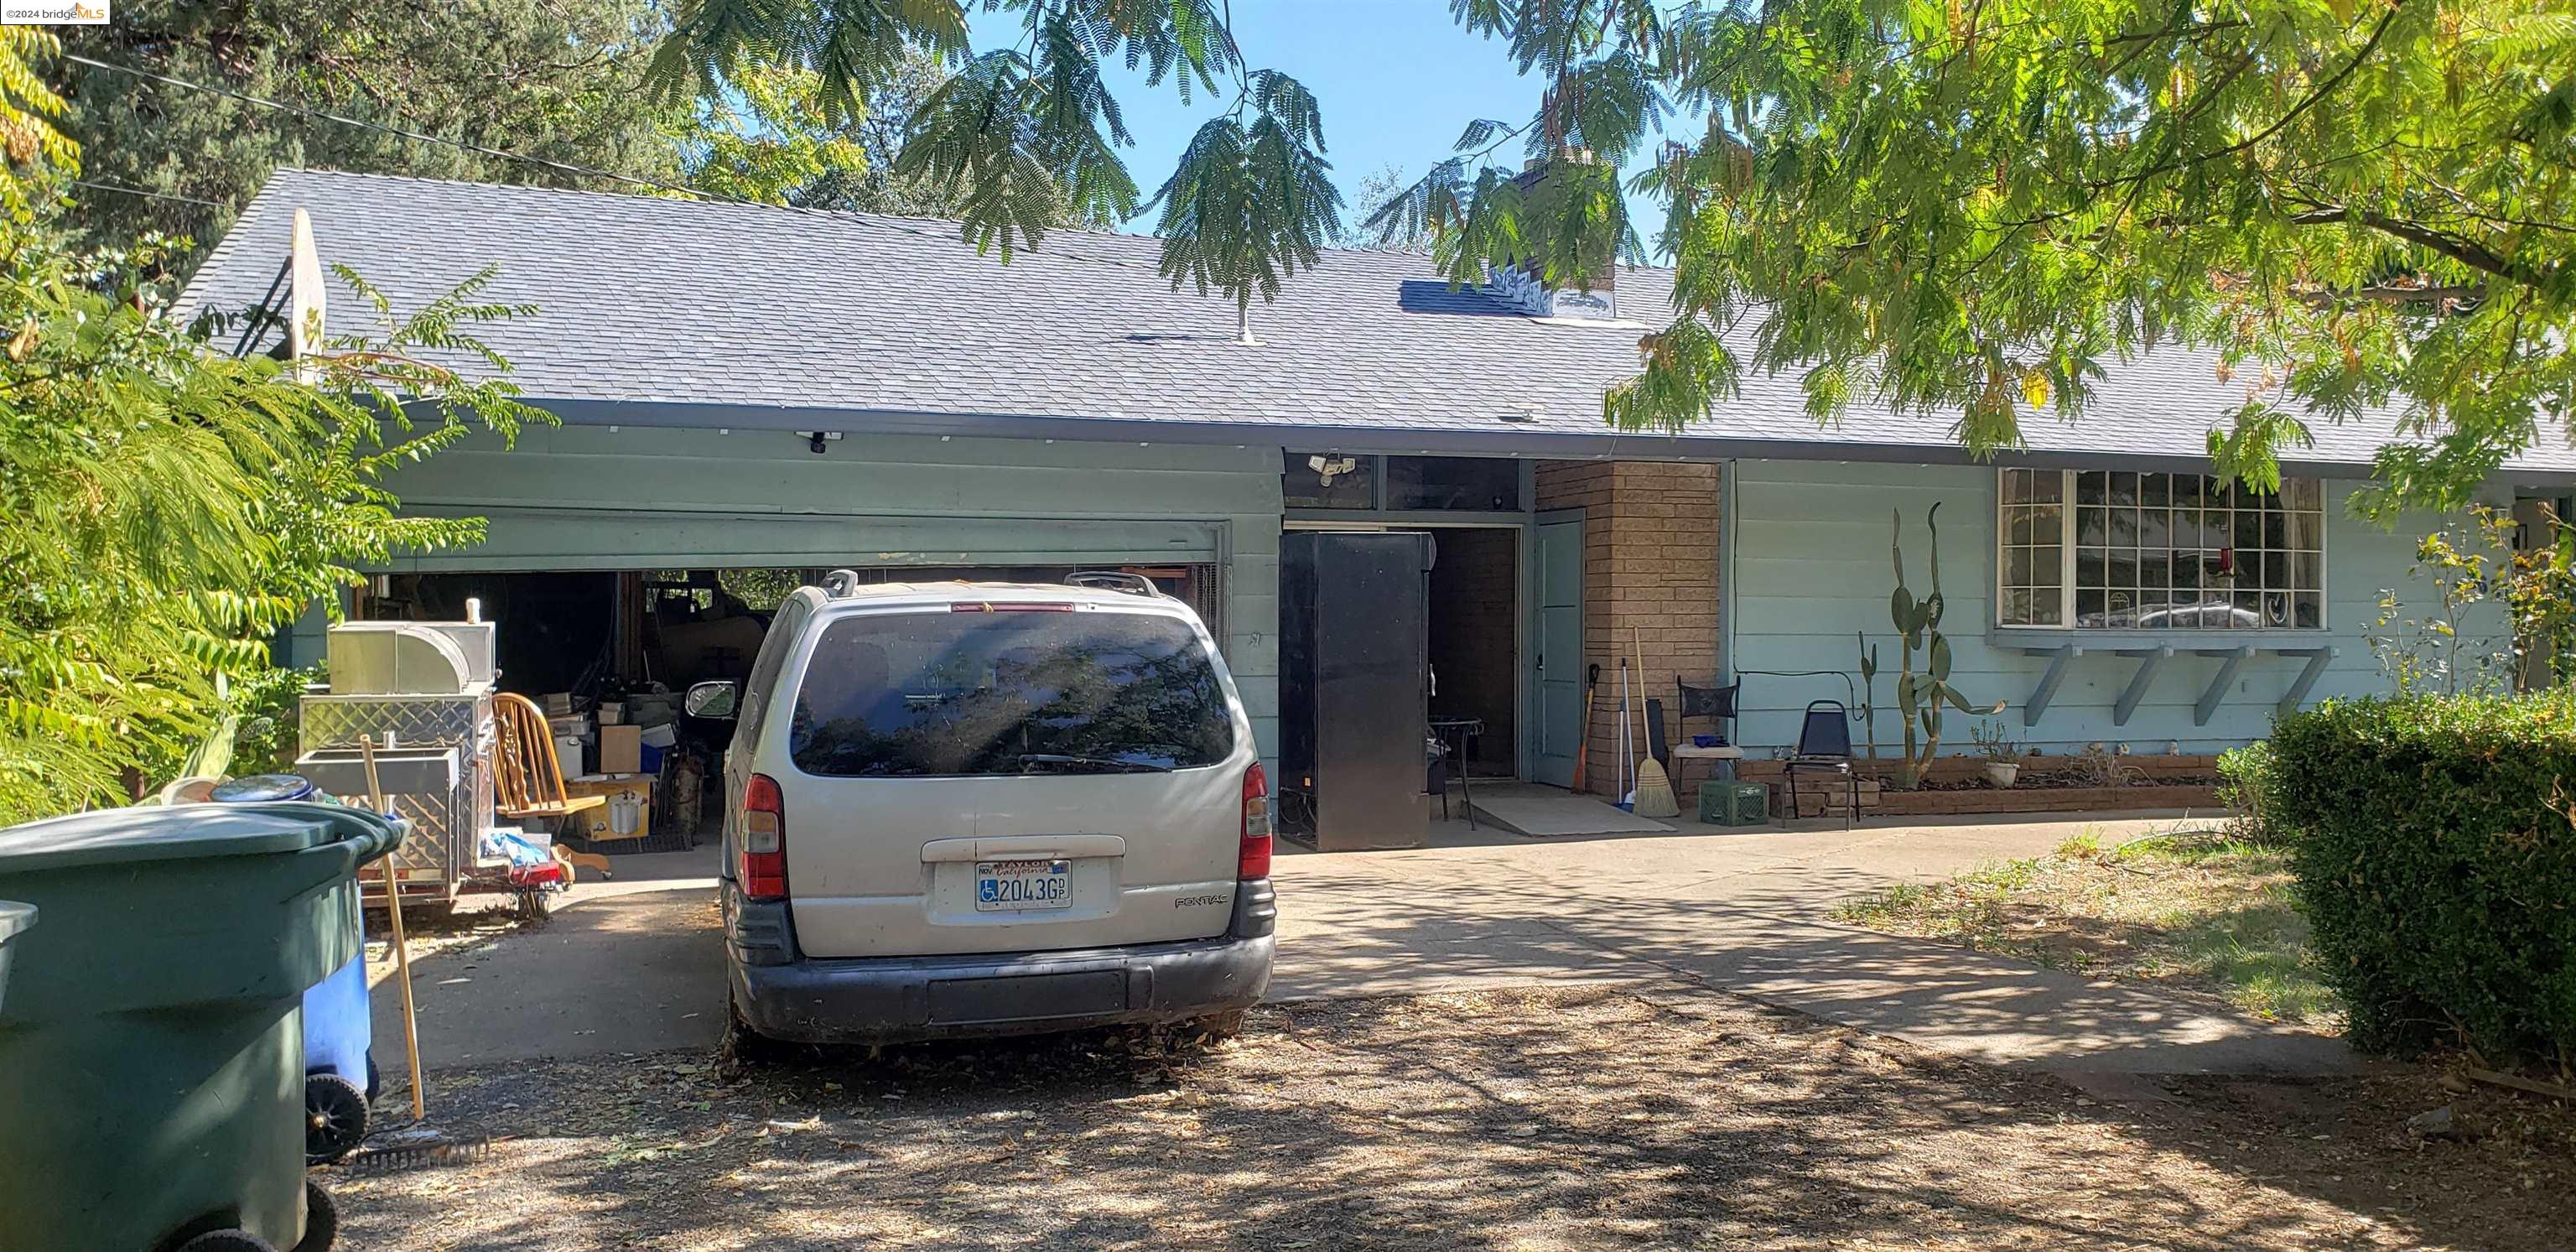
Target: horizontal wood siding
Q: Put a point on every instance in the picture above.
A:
(1810, 566)
(586, 497)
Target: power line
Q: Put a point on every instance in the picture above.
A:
(561, 167)
(146, 194)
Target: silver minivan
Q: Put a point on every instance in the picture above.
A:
(981, 808)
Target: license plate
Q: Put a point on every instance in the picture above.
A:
(1013, 885)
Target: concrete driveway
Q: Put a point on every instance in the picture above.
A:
(634, 966)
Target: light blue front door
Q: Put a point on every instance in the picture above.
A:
(1556, 657)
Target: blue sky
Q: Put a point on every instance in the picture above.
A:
(1397, 80)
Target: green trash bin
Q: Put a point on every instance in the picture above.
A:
(151, 1041)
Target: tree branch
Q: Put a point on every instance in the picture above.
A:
(2313, 98)
(2475, 255)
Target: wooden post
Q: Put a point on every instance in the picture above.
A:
(402, 950)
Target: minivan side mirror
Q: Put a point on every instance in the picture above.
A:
(711, 699)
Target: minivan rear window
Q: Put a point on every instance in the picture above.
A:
(1010, 692)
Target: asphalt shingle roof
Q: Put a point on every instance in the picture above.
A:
(672, 312)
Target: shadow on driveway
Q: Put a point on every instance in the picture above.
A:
(636, 966)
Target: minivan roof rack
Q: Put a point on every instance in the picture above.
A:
(1115, 580)
(840, 582)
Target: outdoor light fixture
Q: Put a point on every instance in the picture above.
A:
(820, 441)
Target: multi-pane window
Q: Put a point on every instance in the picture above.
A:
(2115, 550)
(2033, 556)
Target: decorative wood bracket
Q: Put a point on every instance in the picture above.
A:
(2137, 688)
(2316, 667)
(2037, 704)
(2217, 689)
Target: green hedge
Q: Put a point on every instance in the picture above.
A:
(2432, 844)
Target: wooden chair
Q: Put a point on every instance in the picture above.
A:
(527, 780)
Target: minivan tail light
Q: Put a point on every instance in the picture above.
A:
(1254, 859)
(760, 858)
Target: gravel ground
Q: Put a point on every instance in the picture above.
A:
(1631, 1116)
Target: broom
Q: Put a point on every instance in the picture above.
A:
(1654, 791)
(1583, 746)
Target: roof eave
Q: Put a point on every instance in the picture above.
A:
(1504, 440)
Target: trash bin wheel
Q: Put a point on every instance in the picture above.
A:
(335, 1117)
(321, 1220)
(227, 1241)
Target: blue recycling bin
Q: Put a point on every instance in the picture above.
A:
(339, 1029)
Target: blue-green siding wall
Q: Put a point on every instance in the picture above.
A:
(588, 497)
(1807, 565)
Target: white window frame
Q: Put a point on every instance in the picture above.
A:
(2066, 551)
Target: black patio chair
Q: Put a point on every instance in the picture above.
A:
(1716, 706)
(1824, 747)
(1713, 704)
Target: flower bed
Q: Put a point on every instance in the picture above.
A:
(2048, 784)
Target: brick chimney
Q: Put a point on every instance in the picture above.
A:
(1522, 285)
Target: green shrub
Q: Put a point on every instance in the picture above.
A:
(2431, 840)
(2245, 785)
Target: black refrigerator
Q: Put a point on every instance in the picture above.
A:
(1354, 671)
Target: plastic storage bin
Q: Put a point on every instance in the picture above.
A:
(151, 1043)
(339, 1031)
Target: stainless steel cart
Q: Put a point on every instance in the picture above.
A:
(432, 760)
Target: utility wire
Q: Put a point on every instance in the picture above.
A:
(148, 195)
(561, 167)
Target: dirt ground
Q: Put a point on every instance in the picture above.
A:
(1630, 1116)
(2192, 911)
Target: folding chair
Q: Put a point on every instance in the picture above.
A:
(1710, 704)
(1824, 747)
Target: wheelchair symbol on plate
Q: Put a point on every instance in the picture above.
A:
(989, 890)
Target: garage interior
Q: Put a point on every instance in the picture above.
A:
(606, 655)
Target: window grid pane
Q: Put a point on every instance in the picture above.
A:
(2029, 565)
(2164, 551)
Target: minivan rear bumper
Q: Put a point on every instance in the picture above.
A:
(907, 999)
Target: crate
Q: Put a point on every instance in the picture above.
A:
(1734, 803)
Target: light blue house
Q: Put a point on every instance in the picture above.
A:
(751, 388)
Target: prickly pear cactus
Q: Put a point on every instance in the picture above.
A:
(1920, 695)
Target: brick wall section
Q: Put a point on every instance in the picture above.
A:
(1473, 606)
(1650, 569)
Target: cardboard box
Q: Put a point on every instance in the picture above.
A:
(621, 749)
(611, 712)
(558, 704)
(628, 813)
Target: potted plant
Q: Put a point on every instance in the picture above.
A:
(2003, 756)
